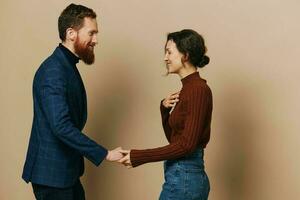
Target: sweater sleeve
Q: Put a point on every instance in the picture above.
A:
(188, 140)
(165, 114)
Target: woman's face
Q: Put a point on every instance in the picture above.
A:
(173, 58)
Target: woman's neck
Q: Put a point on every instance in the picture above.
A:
(187, 70)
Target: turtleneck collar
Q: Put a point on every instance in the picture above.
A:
(72, 58)
(191, 78)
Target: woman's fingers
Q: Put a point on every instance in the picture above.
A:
(124, 151)
(174, 100)
(171, 100)
(124, 159)
(174, 96)
(176, 93)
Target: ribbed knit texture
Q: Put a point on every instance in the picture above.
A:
(186, 127)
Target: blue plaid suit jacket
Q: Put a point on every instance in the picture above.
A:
(57, 145)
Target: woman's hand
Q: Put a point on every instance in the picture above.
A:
(171, 100)
(126, 159)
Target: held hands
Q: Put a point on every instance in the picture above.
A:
(114, 155)
(120, 155)
(126, 159)
(171, 100)
(123, 156)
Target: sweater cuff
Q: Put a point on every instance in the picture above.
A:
(135, 158)
(163, 109)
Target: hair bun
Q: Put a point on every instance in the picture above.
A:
(204, 61)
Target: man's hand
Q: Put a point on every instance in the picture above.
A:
(114, 155)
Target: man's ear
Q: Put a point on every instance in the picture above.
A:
(71, 34)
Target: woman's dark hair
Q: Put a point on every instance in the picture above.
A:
(190, 44)
(72, 17)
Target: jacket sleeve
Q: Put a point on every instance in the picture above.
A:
(52, 92)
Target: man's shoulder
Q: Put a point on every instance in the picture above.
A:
(53, 62)
(55, 59)
(53, 65)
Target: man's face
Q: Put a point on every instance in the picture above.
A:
(86, 40)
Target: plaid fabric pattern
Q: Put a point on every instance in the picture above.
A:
(57, 145)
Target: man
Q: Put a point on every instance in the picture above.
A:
(54, 159)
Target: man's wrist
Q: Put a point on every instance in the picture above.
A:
(108, 155)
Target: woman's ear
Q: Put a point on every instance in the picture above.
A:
(185, 58)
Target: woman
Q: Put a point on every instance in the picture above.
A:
(187, 127)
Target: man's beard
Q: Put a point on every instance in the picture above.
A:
(84, 52)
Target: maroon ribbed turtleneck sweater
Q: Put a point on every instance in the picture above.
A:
(186, 127)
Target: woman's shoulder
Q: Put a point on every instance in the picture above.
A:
(200, 84)
(196, 89)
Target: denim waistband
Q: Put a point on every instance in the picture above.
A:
(198, 153)
(193, 160)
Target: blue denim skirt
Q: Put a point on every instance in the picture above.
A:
(185, 178)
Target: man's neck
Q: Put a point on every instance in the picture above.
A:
(70, 47)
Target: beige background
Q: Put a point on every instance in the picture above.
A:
(254, 75)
